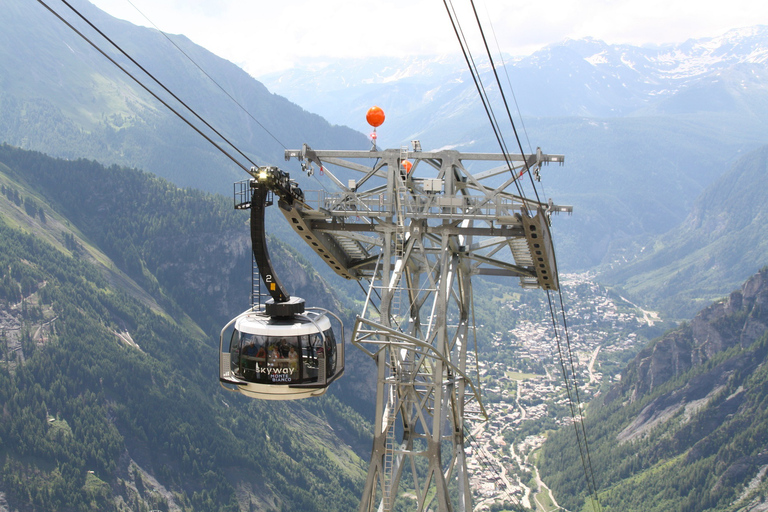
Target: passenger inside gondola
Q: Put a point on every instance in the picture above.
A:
(291, 359)
(330, 353)
(274, 356)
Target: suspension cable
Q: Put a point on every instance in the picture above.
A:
(580, 434)
(208, 75)
(504, 99)
(509, 81)
(189, 123)
(578, 400)
(158, 82)
(578, 423)
(480, 89)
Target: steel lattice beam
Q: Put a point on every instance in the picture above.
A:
(417, 238)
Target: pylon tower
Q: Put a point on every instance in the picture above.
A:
(416, 227)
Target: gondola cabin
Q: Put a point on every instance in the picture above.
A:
(280, 358)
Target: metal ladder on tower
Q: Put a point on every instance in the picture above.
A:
(257, 297)
(399, 234)
(389, 439)
(397, 366)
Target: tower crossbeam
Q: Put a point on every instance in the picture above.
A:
(416, 227)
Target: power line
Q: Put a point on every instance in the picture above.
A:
(189, 123)
(158, 82)
(208, 75)
(480, 88)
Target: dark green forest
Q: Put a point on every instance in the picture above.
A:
(92, 422)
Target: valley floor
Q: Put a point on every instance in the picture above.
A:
(522, 406)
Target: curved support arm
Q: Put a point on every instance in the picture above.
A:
(259, 244)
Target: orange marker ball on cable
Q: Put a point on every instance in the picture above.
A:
(375, 116)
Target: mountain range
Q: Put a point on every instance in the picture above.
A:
(573, 78)
(114, 282)
(721, 241)
(67, 99)
(644, 129)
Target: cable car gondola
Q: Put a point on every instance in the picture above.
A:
(281, 351)
(281, 358)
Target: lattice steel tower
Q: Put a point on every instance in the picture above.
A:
(416, 226)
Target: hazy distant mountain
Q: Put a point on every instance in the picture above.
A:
(722, 241)
(584, 77)
(58, 95)
(644, 129)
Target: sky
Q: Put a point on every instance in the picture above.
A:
(264, 36)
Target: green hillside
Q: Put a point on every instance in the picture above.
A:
(108, 386)
(64, 98)
(686, 427)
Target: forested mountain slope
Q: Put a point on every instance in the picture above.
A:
(686, 427)
(722, 241)
(60, 96)
(109, 397)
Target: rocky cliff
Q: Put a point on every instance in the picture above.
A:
(740, 319)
